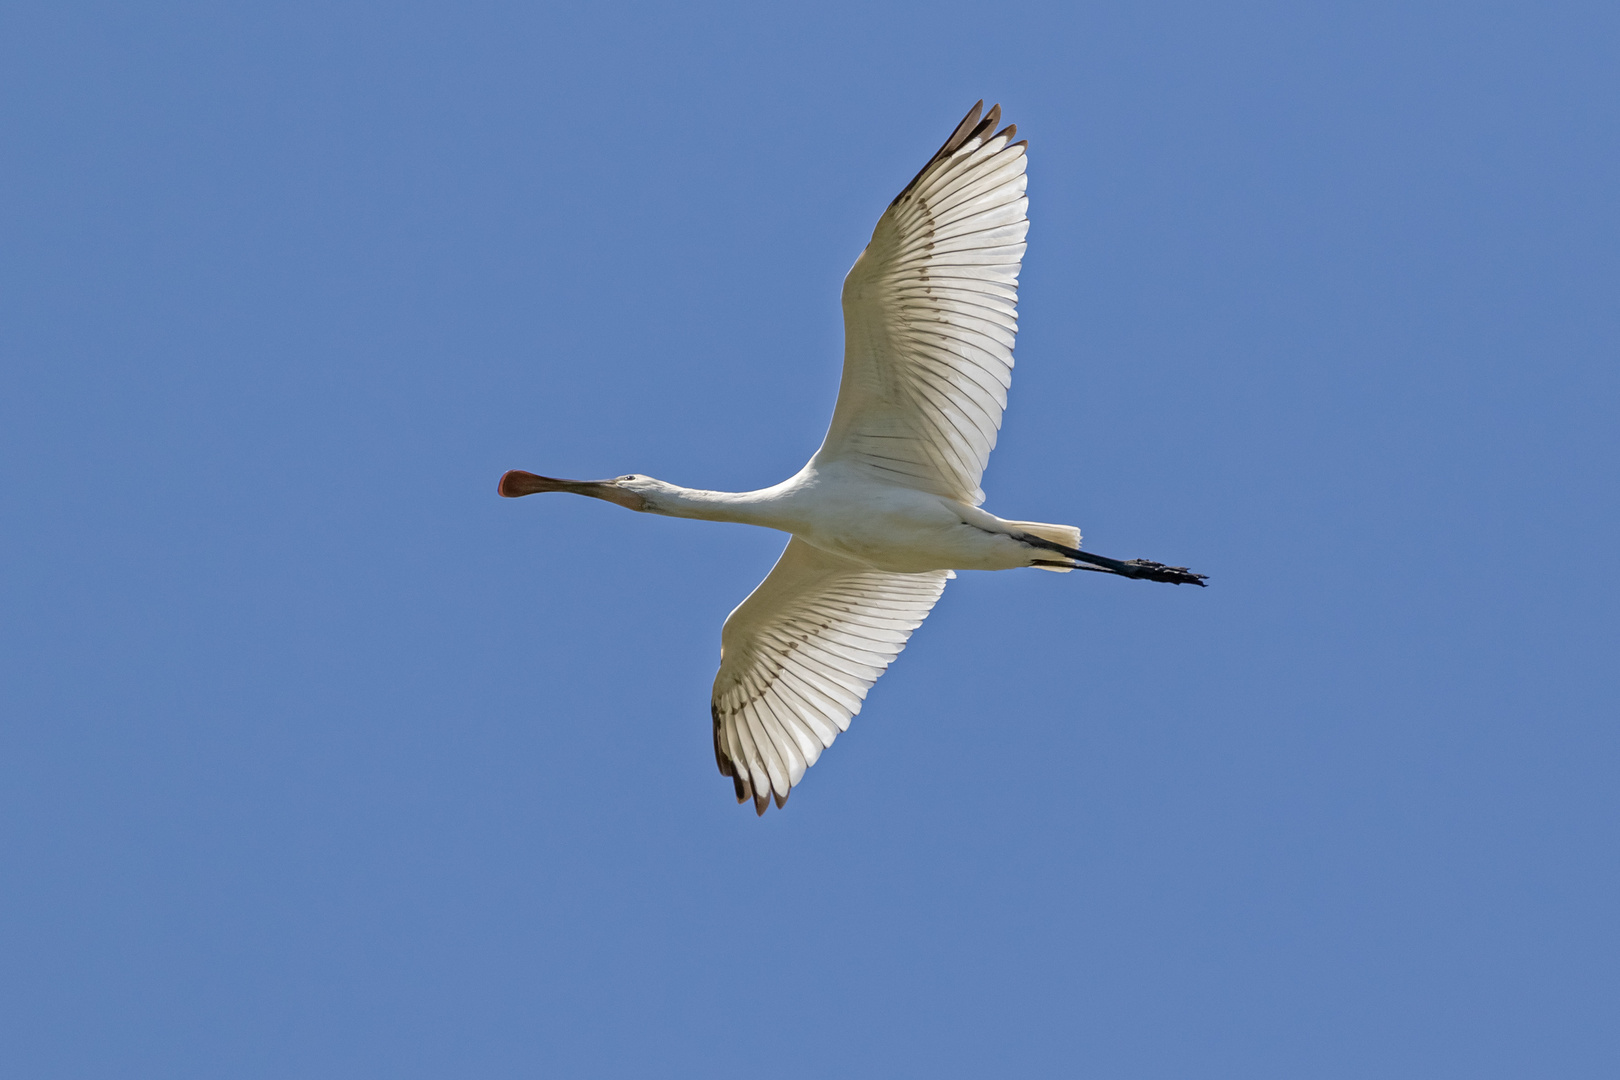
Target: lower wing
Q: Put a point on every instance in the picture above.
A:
(797, 658)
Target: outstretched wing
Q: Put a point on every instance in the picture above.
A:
(797, 658)
(930, 313)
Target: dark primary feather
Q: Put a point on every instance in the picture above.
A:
(970, 126)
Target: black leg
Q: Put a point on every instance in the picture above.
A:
(1142, 569)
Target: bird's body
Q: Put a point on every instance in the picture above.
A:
(889, 506)
(838, 509)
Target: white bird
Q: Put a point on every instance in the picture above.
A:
(888, 508)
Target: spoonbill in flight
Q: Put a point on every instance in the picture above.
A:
(889, 506)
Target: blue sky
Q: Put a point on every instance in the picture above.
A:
(319, 760)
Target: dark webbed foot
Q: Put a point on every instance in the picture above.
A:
(1149, 570)
(1144, 569)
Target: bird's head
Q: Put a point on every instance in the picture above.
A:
(633, 492)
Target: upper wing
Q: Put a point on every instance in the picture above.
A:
(930, 313)
(797, 658)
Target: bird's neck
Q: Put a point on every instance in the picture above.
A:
(743, 507)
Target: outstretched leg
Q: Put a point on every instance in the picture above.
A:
(1145, 569)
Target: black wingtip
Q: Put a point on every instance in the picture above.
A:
(721, 758)
(987, 125)
(969, 122)
(974, 123)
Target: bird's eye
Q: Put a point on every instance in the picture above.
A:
(627, 478)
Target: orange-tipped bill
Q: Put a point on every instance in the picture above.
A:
(517, 483)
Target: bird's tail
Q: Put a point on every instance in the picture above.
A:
(1067, 535)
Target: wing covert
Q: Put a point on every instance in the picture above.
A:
(797, 658)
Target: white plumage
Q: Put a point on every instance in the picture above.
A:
(798, 656)
(889, 505)
(930, 314)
